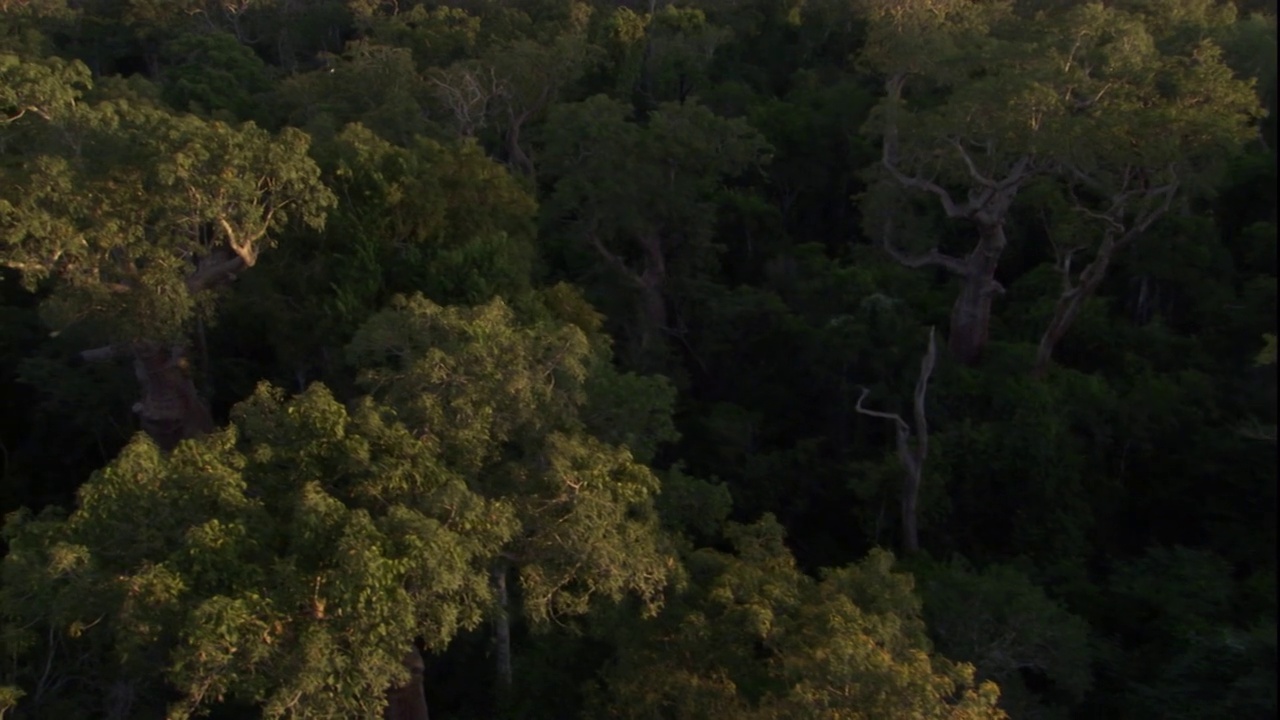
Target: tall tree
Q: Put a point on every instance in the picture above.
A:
(284, 562)
(437, 218)
(753, 637)
(637, 196)
(135, 216)
(505, 402)
(1148, 117)
(983, 98)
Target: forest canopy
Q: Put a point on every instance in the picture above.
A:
(571, 358)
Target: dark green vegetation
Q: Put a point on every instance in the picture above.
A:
(550, 358)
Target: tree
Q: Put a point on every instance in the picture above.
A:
(532, 75)
(950, 49)
(135, 216)
(438, 218)
(1001, 99)
(753, 637)
(1266, 358)
(1156, 117)
(1200, 653)
(285, 562)
(503, 402)
(369, 83)
(637, 196)
(1012, 632)
(214, 73)
(664, 55)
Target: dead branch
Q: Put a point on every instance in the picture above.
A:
(912, 457)
(922, 388)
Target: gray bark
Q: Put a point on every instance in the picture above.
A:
(971, 313)
(1155, 203)
(911, 455)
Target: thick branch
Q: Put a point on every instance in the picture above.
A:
(933, 258)
(890, 152)
(617, 262)
(1020, 172)
(973, 169)
(916, 183)
(101, 354)
(213, 269)
(1145, 221)
(26, 109)
(895, 417)
(244, 247)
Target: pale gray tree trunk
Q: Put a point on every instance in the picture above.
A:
(911, 455)
(971, 313)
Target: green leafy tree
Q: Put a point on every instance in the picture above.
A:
(213, 73)
(1199, 653)
(753, 637)
(433, 217)
(134, 216)
(511, 85)
(504, 402)
(664, 55)
(370, 83)
(1015, 635)
(638, 197)
(284, 562)
(982, 100)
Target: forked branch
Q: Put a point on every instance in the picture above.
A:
(912, 457)
(932, 258)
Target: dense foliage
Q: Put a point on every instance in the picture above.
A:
(572, 358)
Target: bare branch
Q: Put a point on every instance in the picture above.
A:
(26, 109)
(101, 354)
(916, 183)
(214, 268)
(912, 458)
(1146, 220)
(617, 262)
(1085, 178)
(242, 249)
(890, 152)
(1021, 171)
(973, 169)
(895, 417)
(933, 258)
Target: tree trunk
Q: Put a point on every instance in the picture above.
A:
(653, 300)
(408, 701)
(910, 524)
(971, 314)
(1071, 302)
(651, 310)
(171, 409)
(515, 153)
(501, 628)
